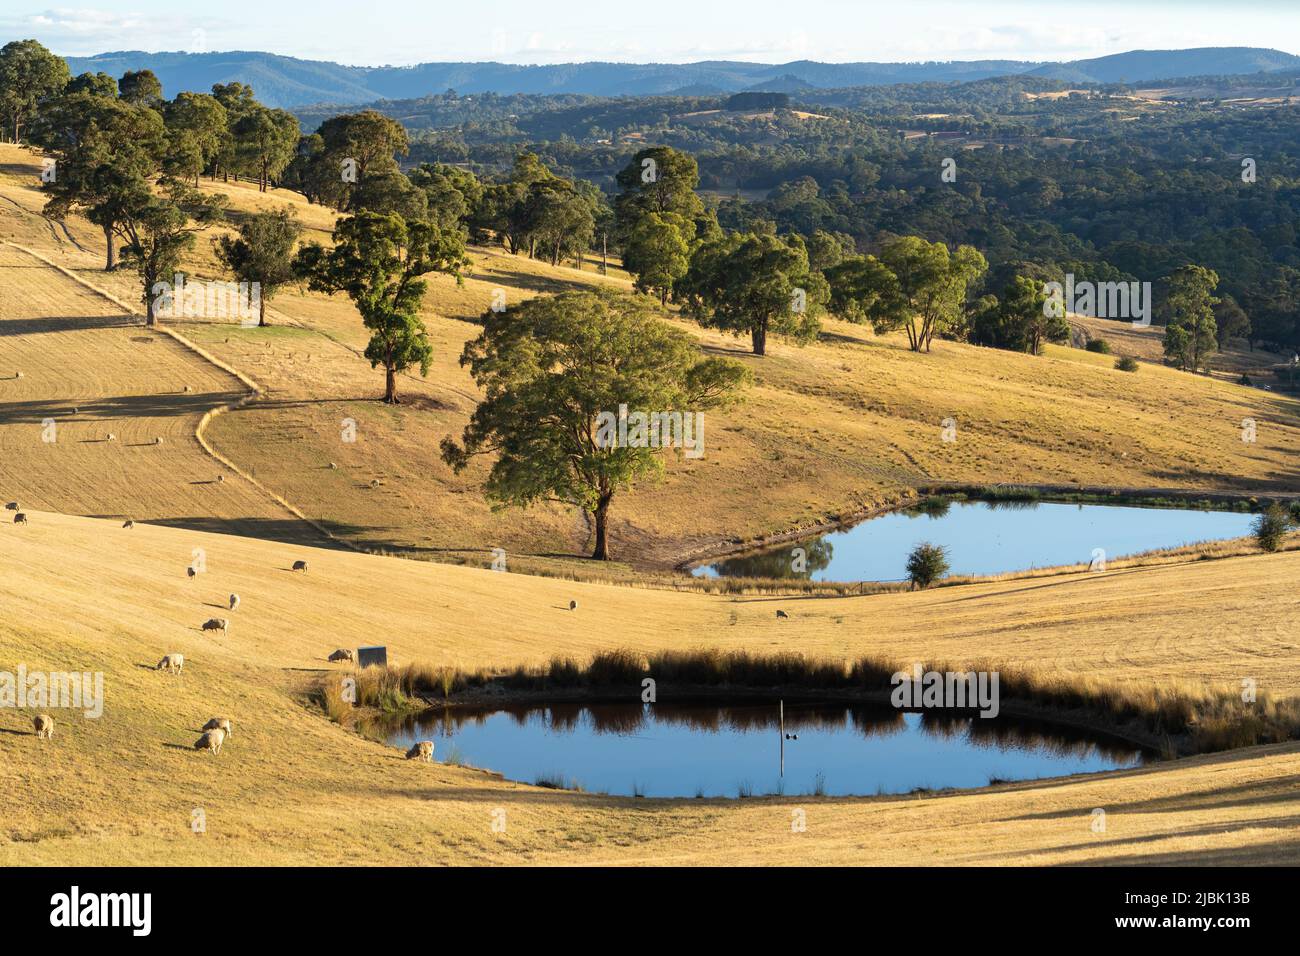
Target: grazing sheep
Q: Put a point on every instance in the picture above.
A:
(111, 437)
(221, 479)
(211, 741)
(374, 482)
(187, 388)
(234, 602)
(20, 518)
(44, 725)
(173, 663)
(573, 605)
(300, 566)
(422, 750)
(158, 440)
(12, 506)
(190, 572)
(217, 624)
(128, 523)
(782, 614)
(219, 723)
(18, 375)
(333, 466)
(342, 654)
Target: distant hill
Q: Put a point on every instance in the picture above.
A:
(288, 82)
(1140, 66)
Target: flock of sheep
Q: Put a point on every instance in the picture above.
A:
(217, 730)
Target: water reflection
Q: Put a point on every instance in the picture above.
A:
(685, 748)
(984, 537)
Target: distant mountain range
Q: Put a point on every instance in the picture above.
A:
(287, 82)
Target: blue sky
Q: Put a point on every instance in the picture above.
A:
(770, 31)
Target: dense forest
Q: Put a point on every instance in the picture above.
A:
(1105, 183)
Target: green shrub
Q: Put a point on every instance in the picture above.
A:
(926, 564)
(1126, 363)
(1100, 346)
(1271, 526)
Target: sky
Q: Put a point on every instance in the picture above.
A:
(403, 32)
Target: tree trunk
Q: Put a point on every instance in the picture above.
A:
(604, 255)
(110, 259)
(390, 389)
(758, 336)
(150, 317)
(602, 529)
(261, 312)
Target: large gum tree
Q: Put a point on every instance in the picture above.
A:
(549, 369)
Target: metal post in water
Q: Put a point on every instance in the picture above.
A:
(782, 703)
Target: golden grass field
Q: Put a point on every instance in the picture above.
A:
(290, 787)
(850, 422)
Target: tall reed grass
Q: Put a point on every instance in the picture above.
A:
(1194, 718)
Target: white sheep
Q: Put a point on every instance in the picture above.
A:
(221, 479)
(111, 437)
(219, 723)
(211, 741)
(217, 624)
(173, 663)
(300, 566)
(158, 440)
(342, 654)
(44, 725)
(234, 602)
(422, 750)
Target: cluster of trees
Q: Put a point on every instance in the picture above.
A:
(130, 161)
(739, 282)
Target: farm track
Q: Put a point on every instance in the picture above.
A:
(88, 376)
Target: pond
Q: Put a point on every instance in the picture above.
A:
(691, 749)
(985, 537)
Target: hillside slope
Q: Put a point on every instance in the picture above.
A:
(290, 787)
(851, 423)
